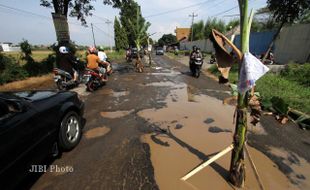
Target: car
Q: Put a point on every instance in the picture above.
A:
(33, 126)
(159, 51)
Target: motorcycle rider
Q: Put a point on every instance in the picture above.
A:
(191, 57)
(93, 62)
(67, 62)
(102, 55)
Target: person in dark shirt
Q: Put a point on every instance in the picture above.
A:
(67, 62)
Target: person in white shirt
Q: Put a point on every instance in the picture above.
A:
(102, 55)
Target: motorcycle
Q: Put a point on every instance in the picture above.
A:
(64, 80)
(93, 79)
(196, 66)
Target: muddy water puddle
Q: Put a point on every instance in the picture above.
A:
(96, 132)
(191, 132)
(113, 93)
(116, 114)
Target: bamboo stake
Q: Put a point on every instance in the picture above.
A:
(254, 168)
(208, 162)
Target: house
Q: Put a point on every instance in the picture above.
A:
(7, 46)
(182, 33)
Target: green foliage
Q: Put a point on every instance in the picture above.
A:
(26, 50)
(120, 36)
(128, 12)
(214, 23)
(167, 39)
(139, 29)
(288, 11)
(38, 68)
(232, 24)
(297, 73)
(78, 9)
(294, 94)
(10, 70)
(198, 31)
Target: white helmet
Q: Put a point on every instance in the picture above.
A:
(63, 49)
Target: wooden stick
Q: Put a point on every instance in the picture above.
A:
(208, 162)
(254, 168)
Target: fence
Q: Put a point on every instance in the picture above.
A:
(293, 44)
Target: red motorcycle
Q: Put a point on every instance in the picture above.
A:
(93, 79)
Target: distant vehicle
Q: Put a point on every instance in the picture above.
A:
(34, 125)
(159, 51)
(132, 53)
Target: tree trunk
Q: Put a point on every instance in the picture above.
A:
(237, 168)
(273, 41)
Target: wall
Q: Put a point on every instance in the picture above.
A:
(204, 45)
(259, 41)
(293, 44)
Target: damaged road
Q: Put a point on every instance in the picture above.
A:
(146, 130)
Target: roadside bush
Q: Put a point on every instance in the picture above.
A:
(38, 68)
(297, 73)
(10, 71)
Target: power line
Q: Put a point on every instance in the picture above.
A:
(103, 31)
(220, 13)
(32, 13)
(179, 9)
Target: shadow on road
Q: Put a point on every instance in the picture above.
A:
(218, 168)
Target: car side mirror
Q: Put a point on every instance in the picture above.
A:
(17, 106)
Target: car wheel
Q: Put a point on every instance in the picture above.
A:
(70, 131)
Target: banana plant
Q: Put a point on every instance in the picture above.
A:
(237, 165)
(139, 30)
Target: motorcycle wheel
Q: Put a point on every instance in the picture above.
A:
(90, 86)
(197, 73)
(59, 85)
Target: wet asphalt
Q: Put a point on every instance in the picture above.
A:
(119, 159)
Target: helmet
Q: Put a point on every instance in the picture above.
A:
(91, 49)
(63, 50)
(194, 48)
(101, 48)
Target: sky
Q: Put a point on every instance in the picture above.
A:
(164, 15)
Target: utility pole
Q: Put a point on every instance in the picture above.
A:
(92, 29)
(193, 15)
(108, 22)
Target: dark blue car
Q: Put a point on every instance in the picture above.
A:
(33, 126)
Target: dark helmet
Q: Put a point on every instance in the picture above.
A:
(194, 48)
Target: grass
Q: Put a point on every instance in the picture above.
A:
(116, 56)
(31, 83)
(286, 86)
(295, 95)
(38, 56)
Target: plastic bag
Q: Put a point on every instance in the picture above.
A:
(251, 70)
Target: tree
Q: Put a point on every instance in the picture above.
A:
(198, 29)
(286, 11)
(139, 29)
(120, 36)
(79, 9)
(218, 25)
(232, 24)
(167, 39)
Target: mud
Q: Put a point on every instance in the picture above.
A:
(195, 143)
(96, 132)
(116, 114)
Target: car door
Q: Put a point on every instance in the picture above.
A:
(18, 136)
